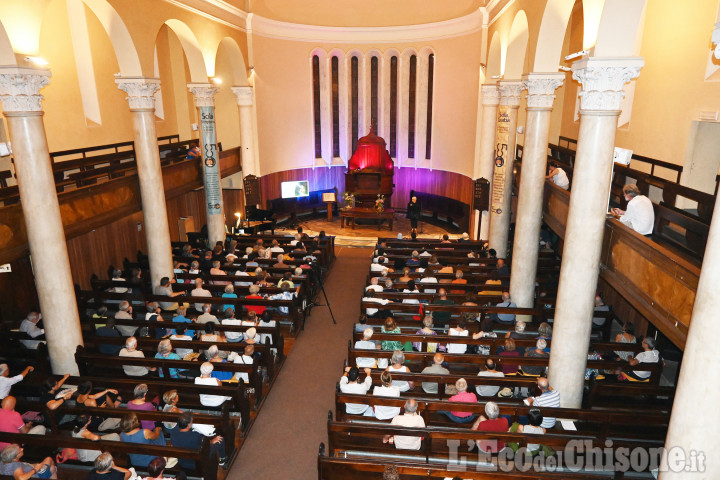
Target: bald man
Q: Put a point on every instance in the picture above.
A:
(12, 422)
(549, 397)
(435, 369)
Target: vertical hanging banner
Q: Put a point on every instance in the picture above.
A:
(502, 137)
(211, 166)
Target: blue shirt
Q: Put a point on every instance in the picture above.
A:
(228, 295)
(171, 356)
(182, 319)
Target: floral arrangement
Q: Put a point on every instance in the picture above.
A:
(380, 203)
(349, 198)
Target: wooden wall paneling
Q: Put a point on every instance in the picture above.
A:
(17, 289)
(93, 252)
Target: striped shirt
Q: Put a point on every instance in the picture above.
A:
(548, 399)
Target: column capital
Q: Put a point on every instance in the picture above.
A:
(490, 95)
(541, 88)
(510, 92)
(603, 80)
(204, 94)
(140, 90)
(20, 88)
(244, 95)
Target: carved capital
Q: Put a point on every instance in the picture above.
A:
(20, 89)
(140, 90)
(244, 95)
(490, 95)
(204, 94)
(541, 88)
(603, 80)
(510, 92)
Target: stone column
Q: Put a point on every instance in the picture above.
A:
(504, 155)
(695, 417)
(141, 96)
(21, 103)
(247, 129)
(541, 94)
(600, 104)
(204, 94)
(486, 151)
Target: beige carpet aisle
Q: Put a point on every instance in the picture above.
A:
(284, 440)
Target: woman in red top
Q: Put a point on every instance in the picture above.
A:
(510, 351)
(492, 423)
(259, 309)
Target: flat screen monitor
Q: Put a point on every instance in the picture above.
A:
(295, 189)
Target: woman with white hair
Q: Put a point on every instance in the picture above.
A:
(229, 292)
(165, 352)
(398, 359)
(206, 378)
(426, 330)
(490, 422)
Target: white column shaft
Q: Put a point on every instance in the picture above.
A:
(384, 100)
(581, 255)
(529, 214)
(157, 231)
(600, 103)
(695, 417)
(46, 237)
(247, 139)
(540, 98)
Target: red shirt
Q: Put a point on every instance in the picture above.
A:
(259, 309)
(10, 422)
(497, 425)
(510, 368)
(466, 397)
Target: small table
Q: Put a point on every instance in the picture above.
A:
(360, 212)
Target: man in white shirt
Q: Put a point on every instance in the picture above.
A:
(6, 381)
(199, 291)
(374, 285)
(648, 355)
(276, 248)
(370, 297)
(378, 264)
(366, 344)
(428, 278)
(410, 419)
(558, 176)
(29, 326)
(349, 384)
(490, 371)
(639, 215)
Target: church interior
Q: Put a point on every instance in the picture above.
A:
(225, 226)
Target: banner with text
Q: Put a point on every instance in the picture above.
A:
(211, 166)
(502, 137)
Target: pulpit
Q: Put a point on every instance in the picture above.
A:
(370, 171)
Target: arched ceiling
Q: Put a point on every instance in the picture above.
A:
(354, 13)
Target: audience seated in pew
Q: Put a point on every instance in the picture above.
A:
(349, 384)
(130, 350)
(464, 396)
(105, 469)
(11, 464)
(409, 419)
